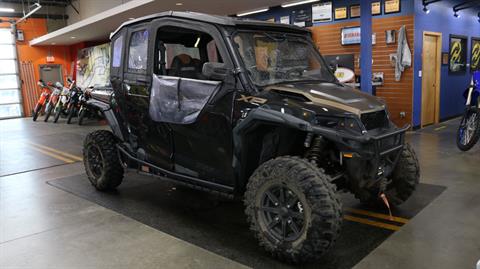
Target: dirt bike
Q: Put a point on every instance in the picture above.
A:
(85, 110)
(469, 130)
(73, 105)
(61, 107)
(44, 97)
(52, 102)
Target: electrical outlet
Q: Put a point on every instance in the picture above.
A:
(403, 114)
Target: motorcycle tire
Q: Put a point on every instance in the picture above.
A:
(71, 113)
(48, 112)
(471, 124)
(81, 115)
(58, 111)
(36, 112)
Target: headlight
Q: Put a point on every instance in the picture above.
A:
(345, 123)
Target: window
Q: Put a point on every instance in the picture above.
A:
(138, 51)
(183, 52)
(117, 52)
(10, 96)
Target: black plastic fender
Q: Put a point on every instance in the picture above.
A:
(107, 111)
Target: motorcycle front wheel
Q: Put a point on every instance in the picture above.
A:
(468, 132)
(36, 112)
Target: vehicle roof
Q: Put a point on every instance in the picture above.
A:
(213, 19)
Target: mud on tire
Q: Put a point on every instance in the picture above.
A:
(315, 211)
(101, 160)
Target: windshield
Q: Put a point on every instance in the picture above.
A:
(272, 58)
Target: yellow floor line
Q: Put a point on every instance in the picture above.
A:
(440, 128)
(376, 215)
(53, 155)
(68, 155)
(372, 223)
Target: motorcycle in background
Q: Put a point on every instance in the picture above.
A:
(44, 97)
(469, 130)
(73, 105)
(62, 103)
(84, 110)
(52, 102)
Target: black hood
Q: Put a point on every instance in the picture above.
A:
(330, 96)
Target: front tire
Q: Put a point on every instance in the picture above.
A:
(81, 115)
(36, 112)
(101, 161)
(293, 209)
(71, 112)
(49, 112)
(468, 132)
(58, 111)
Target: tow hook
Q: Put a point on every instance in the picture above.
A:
(383, 187)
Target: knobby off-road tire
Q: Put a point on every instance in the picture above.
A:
(309, 201)
(58, 111)
(101, 160)
(81, 115)
(475, 132)
(36, 112)
(405, 178)
(71, 113)
(48, 112)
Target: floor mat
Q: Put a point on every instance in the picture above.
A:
(221, 227)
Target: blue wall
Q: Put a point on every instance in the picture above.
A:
(441, 20)
(407, 8)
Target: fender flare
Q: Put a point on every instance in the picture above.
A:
(107, 111)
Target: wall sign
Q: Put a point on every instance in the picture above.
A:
(475, 54)
(392, 6)
(340, 13)
(351, 35)
(302, 17)
(355, 11)
(458, 53)
(376, 8)
(322, 12)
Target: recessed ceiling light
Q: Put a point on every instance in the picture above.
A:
(131, 18)
(252, 12)
(73, 37)
(296, 3)
(53, 43)
(10, 10)
(179, 4)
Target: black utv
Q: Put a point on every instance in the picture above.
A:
(248, 110)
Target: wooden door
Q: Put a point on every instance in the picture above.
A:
(430, 79)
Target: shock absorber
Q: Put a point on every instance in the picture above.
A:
(316, 148)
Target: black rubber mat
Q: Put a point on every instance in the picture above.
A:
(220, 226)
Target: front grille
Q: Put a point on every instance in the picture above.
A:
(375, 120)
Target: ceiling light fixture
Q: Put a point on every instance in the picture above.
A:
(426, 10)
(9, 10)
(246, 13)
(456, 15)
(73, 37)
(179, 4)
(296, 3)
(131, 18)
(425, 3)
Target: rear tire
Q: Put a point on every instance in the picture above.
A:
(49, 112)
(36, 112)
(101, 160)
(307, 209)
(471, 127)
(405, 178)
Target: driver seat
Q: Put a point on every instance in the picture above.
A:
(184, 66)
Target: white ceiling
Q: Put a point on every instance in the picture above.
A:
(98, 27)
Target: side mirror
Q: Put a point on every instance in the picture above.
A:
(216, 71)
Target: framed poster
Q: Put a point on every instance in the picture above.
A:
(355, 11)
(458, 53)
(376, 8)
(392, 6)
(351, 35)
(285, 19)
(341, 13)
(475, 54)
(302, 17)
(322, 12)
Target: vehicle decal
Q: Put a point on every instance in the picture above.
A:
(252, 100)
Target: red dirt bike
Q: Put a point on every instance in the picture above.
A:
(44, 98)
(54, 98)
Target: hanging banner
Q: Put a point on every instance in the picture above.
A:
(93, 66)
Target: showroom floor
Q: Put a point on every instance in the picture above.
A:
(50, 217)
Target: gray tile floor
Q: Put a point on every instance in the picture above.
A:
(44, 227)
